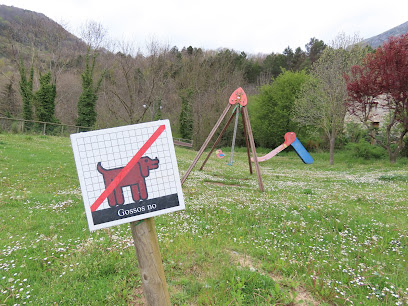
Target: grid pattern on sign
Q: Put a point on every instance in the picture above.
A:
(115, 149)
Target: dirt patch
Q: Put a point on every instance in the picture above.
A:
(138, 298)
(302, 296)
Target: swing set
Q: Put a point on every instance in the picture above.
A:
(239, 99)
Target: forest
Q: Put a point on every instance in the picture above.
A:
(47, 74)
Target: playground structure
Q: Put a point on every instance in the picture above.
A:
(290, 139)
(220, 154)
(238, 99)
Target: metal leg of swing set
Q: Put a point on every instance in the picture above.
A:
(231, 162)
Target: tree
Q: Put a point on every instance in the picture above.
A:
(211, 76)
(157, 113)
(252, 69)
(314, 49)
(273, 106)
(94, 34)
(87, 100)
(138, 85)
(8, 99)
(44, 99)
(288, 53)
(26, 90)
(299, 58)
(274, 63)
(322, 100)
(382, 79)
(186, 115)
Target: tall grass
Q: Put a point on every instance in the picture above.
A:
(319, 234)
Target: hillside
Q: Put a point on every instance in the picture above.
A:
(38, 40)
(190, 81)
(32, 29)
(379, 39)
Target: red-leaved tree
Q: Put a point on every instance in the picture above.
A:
(382, 81)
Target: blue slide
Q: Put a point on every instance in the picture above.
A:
(302, 152)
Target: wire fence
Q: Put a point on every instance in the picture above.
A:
(14, 125)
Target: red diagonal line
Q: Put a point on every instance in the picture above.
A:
(127, 168)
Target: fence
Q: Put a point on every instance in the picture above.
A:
(183, 142)
(14, 125)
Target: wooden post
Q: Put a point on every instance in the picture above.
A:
(205, 143)
(150, 262)
(218, 139)
(252, 143)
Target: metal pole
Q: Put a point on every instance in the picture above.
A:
(233, 139)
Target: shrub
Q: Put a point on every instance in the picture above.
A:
(15, 127)
(404, 151)
(365, 150)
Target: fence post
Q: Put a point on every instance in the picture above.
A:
(44, 128)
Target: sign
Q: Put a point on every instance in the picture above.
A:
(127, 173)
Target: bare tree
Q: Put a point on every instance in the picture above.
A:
(322, 100)
(94, 34)
(135, 82)
(210, 77)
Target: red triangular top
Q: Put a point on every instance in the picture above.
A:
(238, 96)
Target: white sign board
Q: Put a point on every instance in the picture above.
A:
(127, 173)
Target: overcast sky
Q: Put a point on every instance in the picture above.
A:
(253, 26)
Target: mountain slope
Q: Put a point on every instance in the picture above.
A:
(31, 29)
(378, 40)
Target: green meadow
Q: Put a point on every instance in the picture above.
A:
(318, 235)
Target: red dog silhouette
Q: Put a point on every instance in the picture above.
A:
(135, 179)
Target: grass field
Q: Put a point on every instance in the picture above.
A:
(318, 235)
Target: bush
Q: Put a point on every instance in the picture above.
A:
(15, 127)
(365, 150)
(404, 151)
(354, 132)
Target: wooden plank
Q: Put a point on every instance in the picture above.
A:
(252, 144)
(218, 139)
(182, 143)
(150, 262)
(200, 152)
